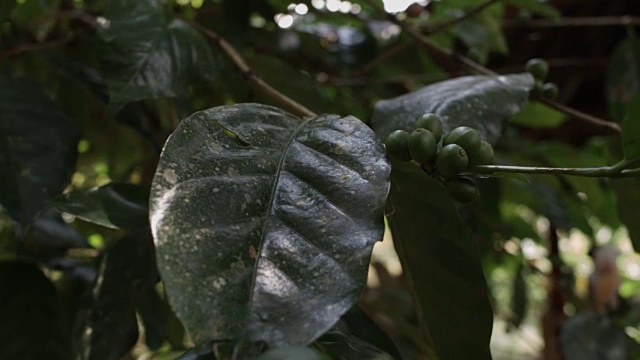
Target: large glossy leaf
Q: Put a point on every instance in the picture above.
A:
(442, 262)
(623, 77)
(33, 326)
(264, 223)
(483, 102)
(109, 328)
(148, 55)
(115, 205)
(37, 148)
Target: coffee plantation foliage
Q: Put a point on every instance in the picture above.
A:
(208, 179)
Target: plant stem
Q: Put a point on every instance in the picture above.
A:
(5, 53)
(621, 169)
(607, 125)
(250, 75)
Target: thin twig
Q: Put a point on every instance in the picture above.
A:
(383, 56)
(439, 53)
(574, 21)
(250, 75)
(395, 49)
(607, 125)
(619, 170)
(77, 14)
(6, 53)
(445, 24)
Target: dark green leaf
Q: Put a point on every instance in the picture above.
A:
(292, 353)
(628, 194)
(50, 235)
(37, 148)
(264, 224)
(442, 262)
(631, 129)
(148, 55)
(110, 328)
(623, 77)
(32, 317)
(483, 102)
(83, 74)
(115, 205)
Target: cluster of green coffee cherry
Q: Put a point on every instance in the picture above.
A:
(461, 149)
(539, 69)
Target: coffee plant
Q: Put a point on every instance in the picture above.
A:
(207, 179)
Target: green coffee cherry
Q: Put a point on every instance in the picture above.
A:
(422, 146)
(451, 160)
(550, 91)
(431, 122)
(538, 68)
(537, 88)
(397, 144)
(468, 138)
(483, 156)
(462, 190)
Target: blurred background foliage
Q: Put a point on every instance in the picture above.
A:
(90, 90)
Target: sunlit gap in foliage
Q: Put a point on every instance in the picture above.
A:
(394, 6)
(196, 4)
(296, 10)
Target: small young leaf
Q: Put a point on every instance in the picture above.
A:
(115, 205)
(292, 353)
(519, 298)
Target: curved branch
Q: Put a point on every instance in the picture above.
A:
(6, 53)
(250, 75)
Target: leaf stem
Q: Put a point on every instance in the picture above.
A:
(250, 75)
